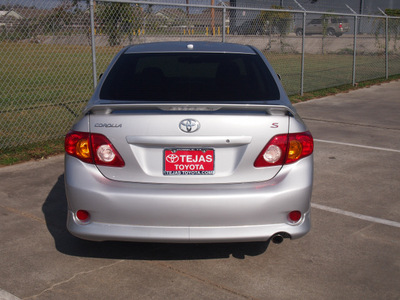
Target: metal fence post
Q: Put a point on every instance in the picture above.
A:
(92, 34)
(303, 49)
(387, 48)
(355, 50)
(303, 40)
(354, 43)
(386, 43)
(223, 22)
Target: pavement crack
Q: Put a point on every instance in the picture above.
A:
(203, 280)
(23, 214)
(72, 278)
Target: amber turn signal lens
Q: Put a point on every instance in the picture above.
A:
(295, 150)
(82, 148)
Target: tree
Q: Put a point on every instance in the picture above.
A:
(278, 21)
(325, 21)
(119, 19)
(393, 26)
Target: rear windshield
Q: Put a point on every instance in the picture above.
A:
(189, 77)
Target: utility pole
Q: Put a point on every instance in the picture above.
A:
(361, 7)
(361, 13)
(212, 17)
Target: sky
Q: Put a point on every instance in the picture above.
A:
(368, 6)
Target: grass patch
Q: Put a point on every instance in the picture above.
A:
(31, 152)
(339, 89)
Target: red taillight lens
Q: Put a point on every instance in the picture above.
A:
(340, 25)
(92, 148)
(285, 149)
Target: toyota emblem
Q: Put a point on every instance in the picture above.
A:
(189, 125)
(172, 158)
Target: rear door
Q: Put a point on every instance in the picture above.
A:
(315, 26)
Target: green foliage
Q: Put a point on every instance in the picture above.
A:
(392, 12)
(393, 26)
(56, 21)
(325, 21)
(278, 20)
(119, 19)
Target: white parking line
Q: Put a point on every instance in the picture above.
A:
(355, 215)
(359, 146)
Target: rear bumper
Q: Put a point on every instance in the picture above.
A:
(187, 213)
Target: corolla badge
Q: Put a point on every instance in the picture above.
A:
(189, 125)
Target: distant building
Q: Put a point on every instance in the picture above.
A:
(9, 18)
(208, 17)
(172, 16)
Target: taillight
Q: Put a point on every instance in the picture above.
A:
(78, 144)
(92, 148)
(340, 25)
(285, 149)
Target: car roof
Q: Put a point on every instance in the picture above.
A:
(205, 47)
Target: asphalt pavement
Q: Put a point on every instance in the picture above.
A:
(351, 252)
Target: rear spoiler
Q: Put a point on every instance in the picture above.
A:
(195, 107)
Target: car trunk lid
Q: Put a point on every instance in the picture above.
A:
(157, 148)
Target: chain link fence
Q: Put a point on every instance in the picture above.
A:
(50, 60)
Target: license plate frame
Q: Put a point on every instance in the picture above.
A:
(188, 161)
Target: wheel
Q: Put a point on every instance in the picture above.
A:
(299, 32)
(331, 32)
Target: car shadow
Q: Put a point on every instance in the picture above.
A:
(55, 212)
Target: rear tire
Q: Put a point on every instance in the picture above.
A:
(331, 32)
(299, 32)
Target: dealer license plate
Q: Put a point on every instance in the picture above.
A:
(189, 162)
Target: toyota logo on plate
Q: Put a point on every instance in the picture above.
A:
(189, 125)
(172, 158)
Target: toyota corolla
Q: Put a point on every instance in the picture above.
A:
(189, 142)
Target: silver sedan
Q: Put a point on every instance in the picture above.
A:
(189, 142)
